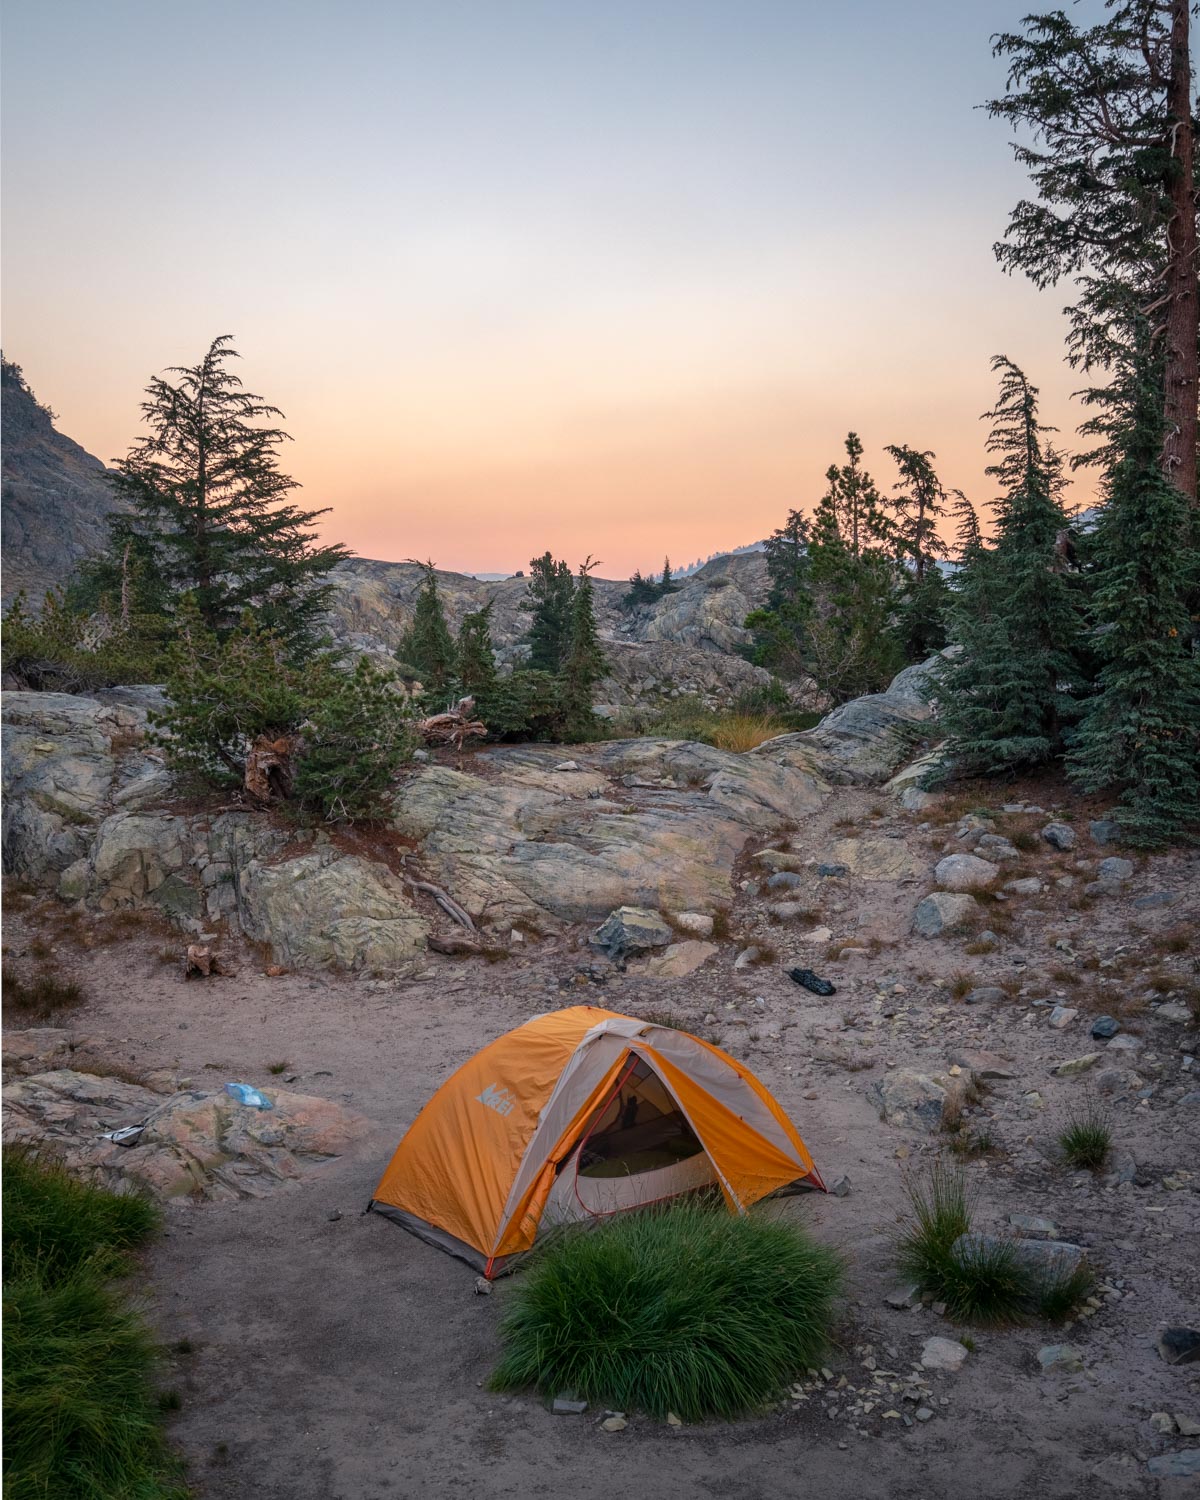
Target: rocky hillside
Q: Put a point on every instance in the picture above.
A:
(686, 643)
(55, 495)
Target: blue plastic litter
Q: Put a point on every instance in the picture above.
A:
(245, 1094)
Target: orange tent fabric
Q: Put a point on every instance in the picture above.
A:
(505, 1140)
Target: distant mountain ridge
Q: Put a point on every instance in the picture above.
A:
(54, 495)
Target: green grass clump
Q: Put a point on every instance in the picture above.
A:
(1062, 1293)
(1087, 1140)
(982, 1279)
(82, 1414)
(58, 1224)
(688, 1309)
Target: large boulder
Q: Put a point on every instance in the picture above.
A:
(866, 741)
(321, 910)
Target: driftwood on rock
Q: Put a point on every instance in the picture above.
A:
(454, 726)
(201, 963)
(268, 773)
(447, 902)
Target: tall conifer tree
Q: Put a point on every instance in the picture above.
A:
(548, 601)
(427, 645)
(584, 663)
(210, 506)
(1140, 731)
(1010, 694)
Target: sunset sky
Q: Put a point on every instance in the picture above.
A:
(604, 276)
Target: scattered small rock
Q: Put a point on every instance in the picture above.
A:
(942, 912)
(904, 1297)
(1059, 835)
(483, 1287)
(1104, 831)
(568, 1404)
(1181, 1465)
(1105, 1027)
(943, 1354)
(965, 872)
(1033, 1226)
(1060, 1358)
(1114, 870)
(1062, 1016)
(1163, 1423)
(840, 1187)
(614, 1424)
(986, 994)
(1075, 1065)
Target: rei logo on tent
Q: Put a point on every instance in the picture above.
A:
(497, 1099)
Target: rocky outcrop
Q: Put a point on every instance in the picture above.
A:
(866, 741)
(645, 674)
(55, 496)
(61, 774)
(647, 823)
(197, 1144)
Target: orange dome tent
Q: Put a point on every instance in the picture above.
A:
(577, 1114)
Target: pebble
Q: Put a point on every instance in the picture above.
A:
(614, 1424)
(904, 1297)
(1104, 1027)
(1062, 1016)
(1061, 1358)
(923, 1414)
(567, 1404)
(1162, 1422)
(1186, 1426)
(839, 1187)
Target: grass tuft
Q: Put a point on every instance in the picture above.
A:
(1062, 1294)
(1087, 1140)
(42, 996)
(689, 1310)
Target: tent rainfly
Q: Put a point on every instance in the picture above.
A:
(577, 1114)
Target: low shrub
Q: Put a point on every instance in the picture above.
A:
(351, 730)
(688, 1309)
(42, 996)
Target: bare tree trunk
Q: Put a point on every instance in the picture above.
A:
(1183, 269)
(125, 587)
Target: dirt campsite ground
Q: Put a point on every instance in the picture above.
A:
(331, 1356)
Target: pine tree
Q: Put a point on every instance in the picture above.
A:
(584, 663)
(1140, 731)
(667, 584)
(549, 601)
(851, 646)
(854, 501)
(641, 591)
(1107, 132)
(1010, 694)
(427, 646)
(210, 502)
(967, 537)
(780, 627)
(918, 503)
(476, 660)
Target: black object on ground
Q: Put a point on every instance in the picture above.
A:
(811, 981)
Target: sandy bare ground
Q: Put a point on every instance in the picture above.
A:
(339, 1357)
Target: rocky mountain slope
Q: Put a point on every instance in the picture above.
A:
(55, 495)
